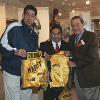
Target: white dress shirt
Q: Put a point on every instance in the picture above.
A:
(54, 44)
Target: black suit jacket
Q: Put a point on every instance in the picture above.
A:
(48, 47)
(85, 54)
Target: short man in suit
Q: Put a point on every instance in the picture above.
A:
(50, 47)
(84, 49)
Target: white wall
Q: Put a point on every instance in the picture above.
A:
(86, 17)
(43, 15)
(11, 12)
(2, 19)
(7, 12)
(20, 12)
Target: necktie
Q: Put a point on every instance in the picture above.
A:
(76, 39)
(57, 49)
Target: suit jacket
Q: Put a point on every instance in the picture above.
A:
(48, 47)
(85, 55)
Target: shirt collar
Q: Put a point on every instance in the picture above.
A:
(79, 35)
(54, 44)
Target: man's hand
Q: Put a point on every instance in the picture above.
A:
(72, 64)
(67, 53)
(47, 56)
(21, 52)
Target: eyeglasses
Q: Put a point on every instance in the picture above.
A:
(56, 33)
(76, 26)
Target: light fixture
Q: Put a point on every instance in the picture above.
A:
(99, 19)
(73, 11)
(59, 13)
(87, 2)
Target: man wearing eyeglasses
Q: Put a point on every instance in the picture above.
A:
(50, 47)
(85, 60)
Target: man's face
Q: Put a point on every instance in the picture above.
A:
(77, 26)
(29, 17)
(56, 35)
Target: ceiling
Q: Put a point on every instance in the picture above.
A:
(64, 6)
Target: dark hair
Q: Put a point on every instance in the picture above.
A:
(30, 7)
(56, 26)
(55, 11)
(78, 17)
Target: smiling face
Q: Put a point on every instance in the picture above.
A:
(56, 35)
(77, 26)
(29, 17)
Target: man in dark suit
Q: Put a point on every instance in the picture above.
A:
(50, 47)
(84, 49)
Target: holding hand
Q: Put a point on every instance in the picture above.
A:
(72, 64)
(21, 52)
(67, 53)
(47, 56)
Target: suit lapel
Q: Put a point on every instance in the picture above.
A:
(84, 36)
(62, 45)
(51, 48)
(73, 41)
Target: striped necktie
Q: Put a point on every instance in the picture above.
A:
(57, 49)
(76, 39)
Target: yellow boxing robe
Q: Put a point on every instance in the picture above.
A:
(34, 71)
(59, 70)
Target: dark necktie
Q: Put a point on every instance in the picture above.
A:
(57, 49)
